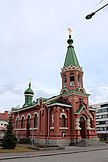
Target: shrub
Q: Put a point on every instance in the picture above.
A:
(9, 141)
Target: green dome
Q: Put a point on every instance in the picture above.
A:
(29, 90)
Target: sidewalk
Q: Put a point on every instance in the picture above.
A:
(67, 150)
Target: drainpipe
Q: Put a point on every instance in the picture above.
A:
(48, 127)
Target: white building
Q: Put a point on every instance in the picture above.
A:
(3, 123)
(101, 119)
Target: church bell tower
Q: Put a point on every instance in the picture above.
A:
(71, 73)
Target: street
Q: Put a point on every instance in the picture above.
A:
(91, 156)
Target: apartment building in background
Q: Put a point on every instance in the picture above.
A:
(101, 119)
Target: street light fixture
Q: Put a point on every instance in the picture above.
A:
(89, 16)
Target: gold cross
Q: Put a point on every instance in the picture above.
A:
(70, 31)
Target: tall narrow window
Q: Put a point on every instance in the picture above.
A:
(16, 122)
(28, 126)
(22, 122)
(72, 80)
(91, 123)
(65, 80)
(63, 121)
(28, 120)
(79, 80)
(35, 121)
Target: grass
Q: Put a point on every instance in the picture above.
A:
(18, 148)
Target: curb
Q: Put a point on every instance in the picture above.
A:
(51, 154)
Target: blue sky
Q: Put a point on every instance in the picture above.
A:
(33, 44)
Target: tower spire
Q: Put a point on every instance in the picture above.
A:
(71, 72)
(71, 58)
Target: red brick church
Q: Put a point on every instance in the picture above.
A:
(62, 119)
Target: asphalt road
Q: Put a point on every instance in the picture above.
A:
(92, 156)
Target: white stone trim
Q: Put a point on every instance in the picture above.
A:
(29, 95)
(83, 117)
(36, 113)
(62, 115)
(63, 128)
(59, 104)
(51, 128)
(77, 122)
(28, 115)
(23, 116)
(35, 128)
(17, 118)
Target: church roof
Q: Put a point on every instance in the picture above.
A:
(71, 58)
(59, 104)
(80, 109)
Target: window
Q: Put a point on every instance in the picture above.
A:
(28, 126)
(35, 121)
(105, 116)
(63, 121)
(65, 81)
(97, 123)
(28, 121)
(79, 80)
(100, 116)
(22, 122)
(102, 122)
(71, 80)
(97, 129)
(91, 123)
(16, 122)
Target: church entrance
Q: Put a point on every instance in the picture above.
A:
(82, 126)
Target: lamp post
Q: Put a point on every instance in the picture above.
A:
(89, 16)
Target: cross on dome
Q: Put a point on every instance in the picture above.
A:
(69, 30)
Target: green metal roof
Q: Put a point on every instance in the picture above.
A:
(71, 58)
(80, 109)
(29, 90)
(58, 104)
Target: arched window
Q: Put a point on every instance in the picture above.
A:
(28, 126)
(16, 124)
(28, 121)
(72, 79)
(35, 121)
(65, 80)
(63, 121)
(22, 122)
(79, 80)
(91, 123)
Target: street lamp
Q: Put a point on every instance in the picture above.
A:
(89, 16)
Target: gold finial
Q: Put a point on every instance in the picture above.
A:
(70, 31)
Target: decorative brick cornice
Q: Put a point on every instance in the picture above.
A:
(71, 67)
(68, 93)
